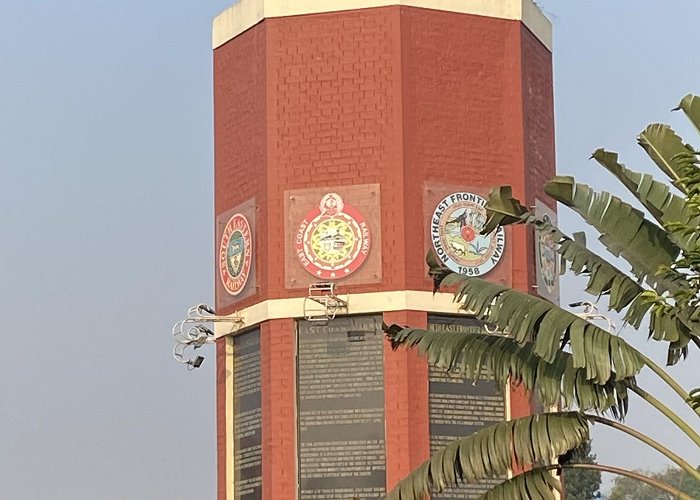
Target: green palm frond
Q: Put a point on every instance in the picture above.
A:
(670, 154)
(690, 105)
(624, 230)
(535, 484)
(470, 354)
(603, 278)
(503, 209)
(491, 452)
(666, 207)
(525, 316)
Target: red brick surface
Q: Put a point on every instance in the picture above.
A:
(333, 108)
(398, 96)
(239, 135)
(405, 403)
(538, 105)
(462, 111)
(369, 96)
(278, 395)
(221, 452)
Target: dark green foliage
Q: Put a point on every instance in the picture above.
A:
(582, 484)
(628, 489)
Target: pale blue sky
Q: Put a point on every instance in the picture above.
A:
(106, 223)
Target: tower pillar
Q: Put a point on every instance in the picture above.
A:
(350, 138)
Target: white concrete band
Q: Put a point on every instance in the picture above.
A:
(229, 432)
(247, 13)
(358, 303)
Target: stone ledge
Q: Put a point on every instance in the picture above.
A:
(247, 13)
(358, 303)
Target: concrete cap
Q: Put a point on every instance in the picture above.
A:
(247, 13)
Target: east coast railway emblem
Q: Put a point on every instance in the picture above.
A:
(333, 240)
(455, 232)
(235, 254)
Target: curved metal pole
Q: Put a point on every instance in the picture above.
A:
(677, 494)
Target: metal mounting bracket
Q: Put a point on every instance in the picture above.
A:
(323, 303)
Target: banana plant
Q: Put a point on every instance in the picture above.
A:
(560, 357)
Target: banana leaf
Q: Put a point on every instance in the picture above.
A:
(525, 317)
(470, 355)
(690, 105)
(624, 230)
(671, 155)
(666, 207)
(535, 484)
(491, 452)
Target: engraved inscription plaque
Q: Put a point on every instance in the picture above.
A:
(247, 424)
(341, 409)
(459, 407)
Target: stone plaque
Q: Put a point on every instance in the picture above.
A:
(235, 254)
(247, 425)
(459, 407)
(454, 216)
(333, 234)
(546, 256)
(341, 409)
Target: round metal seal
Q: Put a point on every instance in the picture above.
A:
(333, 240)
(455, 232)
(547, 255)
(235, 254)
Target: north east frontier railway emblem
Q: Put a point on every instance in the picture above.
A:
(333, 240)
(235, 254)
(547, 255)
(455, 232)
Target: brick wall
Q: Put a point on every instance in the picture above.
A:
(398, 96)
(239, 134)
(462, 112)
(406, 403)
(333, 109)
(369, 96)
(538, 126)
(278, 395)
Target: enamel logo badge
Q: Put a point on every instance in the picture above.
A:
(547, 258)
(235, 254)
(455, 233)
(333, 240)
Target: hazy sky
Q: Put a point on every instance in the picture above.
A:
(106, 224)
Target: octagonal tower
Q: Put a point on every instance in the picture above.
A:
(350, 137)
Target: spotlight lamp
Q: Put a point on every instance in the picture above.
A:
(590, 313)
(193, 332)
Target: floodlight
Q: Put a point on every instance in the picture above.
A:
(191, 332)
(590, 313)
(206, 331)
(205, 308)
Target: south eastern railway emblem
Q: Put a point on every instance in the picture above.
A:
(333, 240)
(455, 233)
(235, 254)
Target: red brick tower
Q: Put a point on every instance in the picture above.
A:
(350, 137)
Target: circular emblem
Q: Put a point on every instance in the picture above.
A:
(235, 254)
(333, 240)
(547, 256)
(454, 230)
